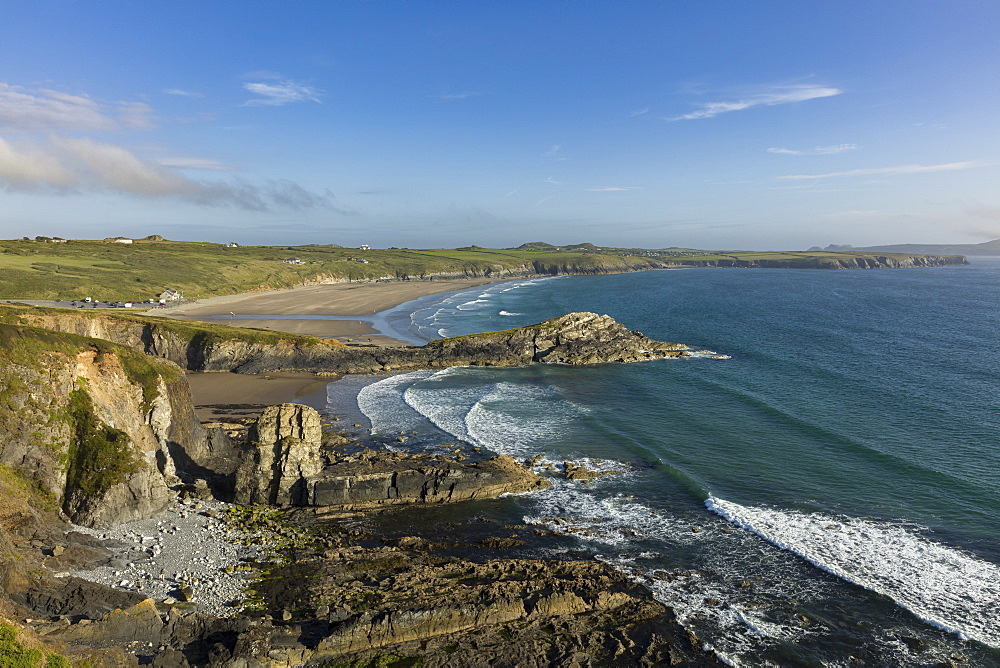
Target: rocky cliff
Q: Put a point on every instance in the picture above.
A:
(851, 260)
(98, 426)
(576, 338)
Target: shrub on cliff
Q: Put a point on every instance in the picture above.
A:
(99, 456)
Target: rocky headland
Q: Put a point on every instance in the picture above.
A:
(575, 338)
(99, 439)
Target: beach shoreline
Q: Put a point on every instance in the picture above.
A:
(351, 307)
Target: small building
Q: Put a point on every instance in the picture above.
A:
(364, 247)
(169, 295)
(292, 260)
(119, 240)
(232, 244)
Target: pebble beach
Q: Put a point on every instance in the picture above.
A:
(187, 546)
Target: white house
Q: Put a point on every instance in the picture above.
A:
(364, 247)
(169, 295)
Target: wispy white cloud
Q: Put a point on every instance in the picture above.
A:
(182, 93)
(25, 110)
(280, 93)
(891, 171)
(458, 96)
(552, 181)
(612, 189)
(553, 153)
(779, 95)
(136, 115)
(819, 150)
(194, 163)
(73, 165)
(639, 112)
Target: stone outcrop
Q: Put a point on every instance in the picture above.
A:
(416, 603)
(575, 339)
(378, 479)
(282, 466)
(277, 466)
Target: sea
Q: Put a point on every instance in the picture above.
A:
(828, 496)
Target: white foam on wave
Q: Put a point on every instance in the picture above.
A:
(615, 519)
(508, 313)
(471, 305)
(508, 418)
(621, 521)
(383, 405)
(946, 587)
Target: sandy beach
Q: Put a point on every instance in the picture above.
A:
(218, 389)
(339, 299)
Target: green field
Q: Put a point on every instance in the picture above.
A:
(140, 271)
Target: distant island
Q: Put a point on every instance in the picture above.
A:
(153, 268)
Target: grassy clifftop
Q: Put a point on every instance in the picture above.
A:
(144, 269)
(110, 271)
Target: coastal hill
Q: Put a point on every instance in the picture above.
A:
(985, 248)
(144, 269)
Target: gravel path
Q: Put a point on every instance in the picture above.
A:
(184, 546)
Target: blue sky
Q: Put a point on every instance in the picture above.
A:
(730, 124)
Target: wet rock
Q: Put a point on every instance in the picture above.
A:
(573, 471)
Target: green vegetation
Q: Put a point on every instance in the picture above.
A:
(144, 269)
(203, 334)
(99, 456)
(11, 481)
(13, 654)
(29, 346)
(379, 661)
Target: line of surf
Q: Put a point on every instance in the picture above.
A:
(946, 587)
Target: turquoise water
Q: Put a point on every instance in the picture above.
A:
(829, 495)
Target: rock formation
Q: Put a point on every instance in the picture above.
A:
(576, 338)
(377, 479)
(282, 466)
(281, 458)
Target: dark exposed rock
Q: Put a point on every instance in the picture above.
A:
(394, 478)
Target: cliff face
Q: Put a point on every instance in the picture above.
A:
(97, 426)
(849, 261)
(576, 338)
